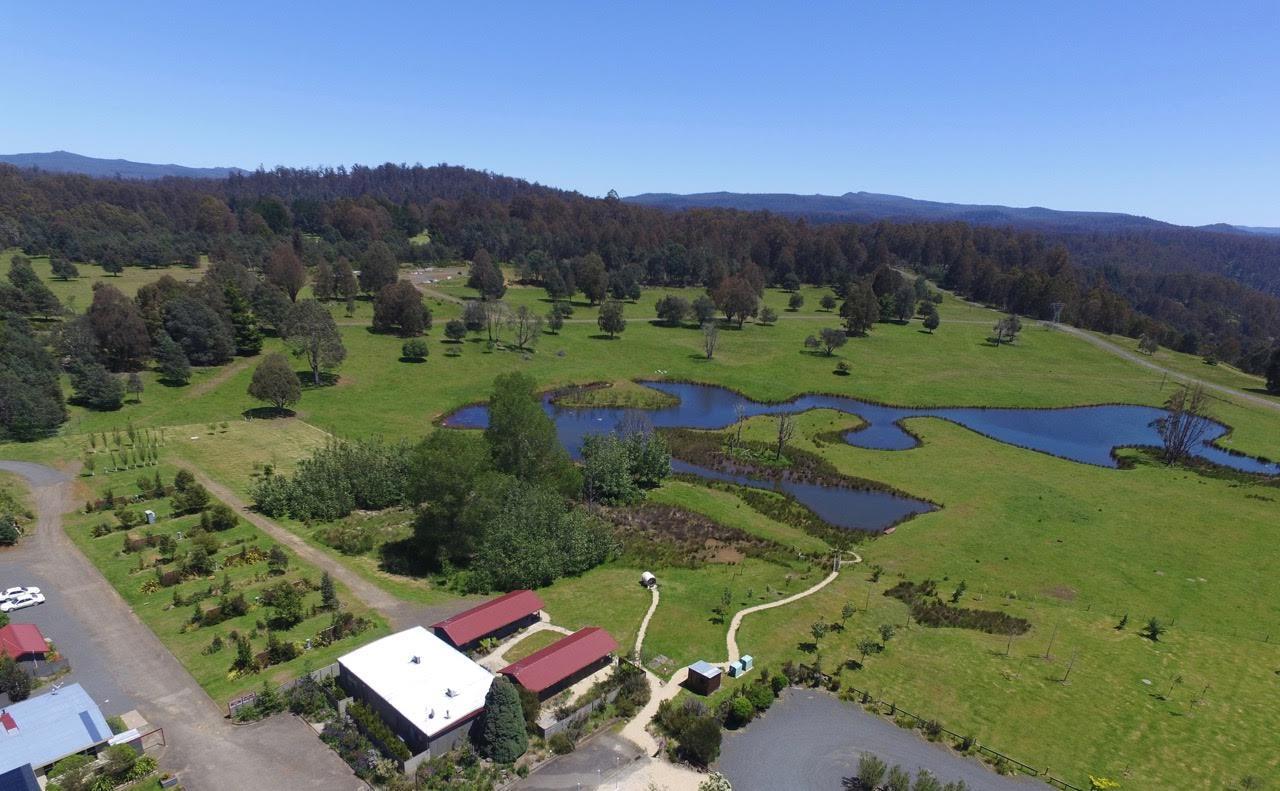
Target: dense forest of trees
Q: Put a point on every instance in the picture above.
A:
(286, 226)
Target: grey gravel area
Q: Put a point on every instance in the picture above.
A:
(811, 740)
(592, 765)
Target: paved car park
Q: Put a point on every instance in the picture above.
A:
(89, 665)
(123, 665)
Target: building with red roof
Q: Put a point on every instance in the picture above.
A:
(22, 642)
(495, 618)
(560, 665)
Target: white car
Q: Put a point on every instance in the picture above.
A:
(20, 601)
(11, 592)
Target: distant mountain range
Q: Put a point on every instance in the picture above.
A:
(1257, 229)
(872, 206)
(851, 206)
(67, 162)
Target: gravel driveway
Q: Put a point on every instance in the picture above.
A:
(119, 660)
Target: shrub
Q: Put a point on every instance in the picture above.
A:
(531, 707)
(674, 717)
(14, 681)
(280, 651)
(69, 764)
(214, 646)
(119, 762)
(561, 743)
(740, 712)
(761, 695)
(219, 518)
(415, 349)
(700, 740)
(338, 479)
(349, 538)
(929, 610)
(871, 771)
(371, 725)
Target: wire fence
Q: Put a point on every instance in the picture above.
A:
(963, 741)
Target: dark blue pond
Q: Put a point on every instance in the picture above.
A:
(1086, 434)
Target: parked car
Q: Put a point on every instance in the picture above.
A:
(20, 601)
(11, 592)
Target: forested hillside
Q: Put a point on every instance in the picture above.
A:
(332, 219)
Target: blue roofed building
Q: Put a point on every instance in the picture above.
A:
(21, 779)
(40, 731)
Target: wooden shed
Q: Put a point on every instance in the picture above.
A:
(704, 678)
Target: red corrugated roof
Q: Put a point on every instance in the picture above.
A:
(561, 659)
(19, 639)
(489, 617)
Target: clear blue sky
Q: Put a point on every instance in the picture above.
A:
(1164, 109)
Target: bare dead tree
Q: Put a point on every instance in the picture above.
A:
(526, 326)
(786, 430)
(710, 338)
(739, 417)
(495, 317)
(1188, 419)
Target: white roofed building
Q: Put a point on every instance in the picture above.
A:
(427, 691)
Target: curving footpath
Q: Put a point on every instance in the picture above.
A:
(731, 640)
(202, 746)
(660, 690)
(644, 624)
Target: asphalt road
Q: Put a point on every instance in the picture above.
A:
(117, 659)
(811, 740)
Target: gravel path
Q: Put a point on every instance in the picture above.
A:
(644, 625)
(810, 740)
(1138, 359)
(401, 614)
(203, 747)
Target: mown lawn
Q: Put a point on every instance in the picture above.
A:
(133, 576)
(530, 644)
